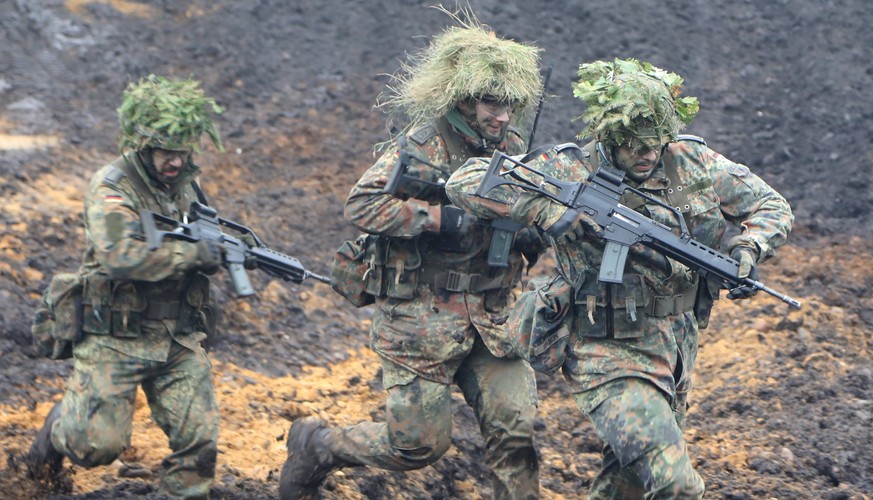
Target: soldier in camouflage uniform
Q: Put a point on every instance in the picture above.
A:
(441, 308)
(143, 309)
(632, 348)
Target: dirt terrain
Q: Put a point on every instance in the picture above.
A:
(783, 402)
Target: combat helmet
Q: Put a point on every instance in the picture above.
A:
(465, 62)
(632, 103)
(161, 113)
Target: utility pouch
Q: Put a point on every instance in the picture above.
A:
(629, 303)
(590, 306)
(539, 323)
(57, 323)
(354, 268)
(194, 300)
(707, 294)
(402, 262)
(127, 309)
(97, 312)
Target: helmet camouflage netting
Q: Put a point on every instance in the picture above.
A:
(161, 113)
(632, 102)
(462, 63)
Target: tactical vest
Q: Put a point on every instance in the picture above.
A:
(119, 307)
(622, 305)
(472, 275)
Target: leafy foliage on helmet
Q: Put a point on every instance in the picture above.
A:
(465, 62)
(632, 103)
(161, 113)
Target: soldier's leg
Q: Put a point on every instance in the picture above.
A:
(96, 418)
(182, 400)
(640, 428)
(417, 431)
(502, 393)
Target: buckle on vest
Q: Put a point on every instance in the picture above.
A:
(460, 282)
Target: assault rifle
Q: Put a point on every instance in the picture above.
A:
(599, 197)
(203, 223)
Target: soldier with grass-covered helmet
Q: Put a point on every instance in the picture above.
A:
(631, 347)
(440, 307)
(144, 312)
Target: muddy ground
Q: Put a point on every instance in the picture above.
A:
(783, 403)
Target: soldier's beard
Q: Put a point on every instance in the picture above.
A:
(148, 162)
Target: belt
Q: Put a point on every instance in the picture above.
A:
(452, 281)
(158, 310)
(669, 305)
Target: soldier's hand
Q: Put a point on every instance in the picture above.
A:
(251, 261)
(209, 256)
(574, 225)
(454, 221)
(748, 260)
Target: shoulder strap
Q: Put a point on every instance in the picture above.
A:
(457, 148)
(677, 195)
(201, 197)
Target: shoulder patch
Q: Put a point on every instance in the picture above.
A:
(689, 137)
(423, 134)
(115, 174)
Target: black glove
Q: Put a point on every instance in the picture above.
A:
(748, 259)
(530, 243)
(209, 256)
(251, 261)
(573, 225)
(454, 221)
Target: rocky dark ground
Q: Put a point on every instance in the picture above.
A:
(782, 407)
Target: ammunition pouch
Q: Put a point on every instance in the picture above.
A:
(118, 308)
(57, 323)
(622, 317)
(371, 267)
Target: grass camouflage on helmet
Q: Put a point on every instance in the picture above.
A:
(464, 62)
(162, 113)
(632, 103)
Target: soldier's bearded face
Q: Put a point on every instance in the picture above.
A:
(169, 164)
(492, 119)
(638, 163)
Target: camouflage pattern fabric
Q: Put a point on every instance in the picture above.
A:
(124, 347)
(431, 338)
(606, 348)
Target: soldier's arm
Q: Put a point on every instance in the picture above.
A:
(763, 214)
(372, 210)
(115, 232)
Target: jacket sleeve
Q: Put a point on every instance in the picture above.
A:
(372, 210)
(764, 216)
(114, 231)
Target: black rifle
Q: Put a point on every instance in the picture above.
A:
(202, 223)
(599, 197)
(504, 230)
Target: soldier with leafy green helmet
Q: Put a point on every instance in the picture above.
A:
(144, 312)
(630, 354)
(440, 307)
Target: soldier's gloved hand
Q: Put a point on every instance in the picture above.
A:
(454, 221)
(251, 261)
(748, 259)
(209, 256)
(573, 225)
(530, 243)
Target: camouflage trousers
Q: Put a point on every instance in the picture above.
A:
(645, 454)
(97, 412)
(418, 427)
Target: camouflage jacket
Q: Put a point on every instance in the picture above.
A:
(415, 253)
(659, 345)
(137, 300)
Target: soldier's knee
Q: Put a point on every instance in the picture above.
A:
(96, 453)
(422, 451)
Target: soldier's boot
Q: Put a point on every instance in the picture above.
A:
(45, 463)
(309, 460)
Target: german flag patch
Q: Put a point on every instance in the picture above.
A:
(113, 198)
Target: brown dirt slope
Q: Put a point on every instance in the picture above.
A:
(782, 403)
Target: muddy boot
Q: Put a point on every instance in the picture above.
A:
(309, 460)
(45, 463)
